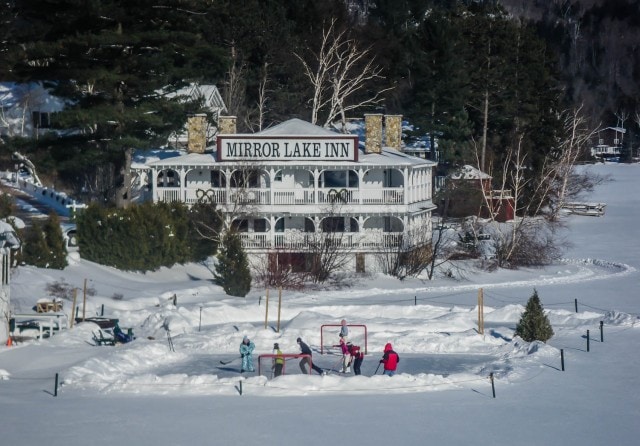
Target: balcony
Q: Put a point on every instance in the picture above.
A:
(305, 241)
(298, 196)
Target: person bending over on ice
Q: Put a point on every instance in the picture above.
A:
(305, 350)
(356, 357)
(346, 356)
(390, 359)
(246, 352)
(278, 361)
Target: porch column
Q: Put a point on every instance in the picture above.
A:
(316, 193)
(407, 182)
(272, 231)
(154, 185)
(183, 185)
(360, 181)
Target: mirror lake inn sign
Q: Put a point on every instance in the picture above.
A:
(285, 148)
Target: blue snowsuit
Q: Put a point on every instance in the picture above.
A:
(246, 352)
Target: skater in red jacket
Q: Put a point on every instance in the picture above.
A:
(390, 359)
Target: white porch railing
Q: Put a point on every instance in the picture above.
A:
(262, 196)
(303, 241)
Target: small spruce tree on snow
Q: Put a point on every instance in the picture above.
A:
(232, 272)
(534, 324)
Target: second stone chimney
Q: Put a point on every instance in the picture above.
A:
(393, 131)
(227, 125)
(373, 133)
(196, 133)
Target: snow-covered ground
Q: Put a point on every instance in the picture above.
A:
(142, 393)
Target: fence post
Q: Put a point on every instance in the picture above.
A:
(200, 321)
(575, 301)
(587, 340)
(415, 300)
(601, 331)
(55, 388)
(562, 359)
(493, 387)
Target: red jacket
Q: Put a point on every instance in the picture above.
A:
(390, 359)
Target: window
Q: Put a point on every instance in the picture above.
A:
(218, 179)
(240, 225)
(278, 176)
(41, 120)
(333, 224)
(245, 179)
(260, 225)
(333, 178)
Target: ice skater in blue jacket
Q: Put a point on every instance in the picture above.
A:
(246, 352)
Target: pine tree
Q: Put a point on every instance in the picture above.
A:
(55, 242)
(35, 250)
(111, 60)
(534, 324)
(232, 272)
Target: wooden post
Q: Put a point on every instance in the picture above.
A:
(75, 298)
(480, 311)
(84, 300)
(279, 306)
(266, 310)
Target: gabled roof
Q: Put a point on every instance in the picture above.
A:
(212, 98)
(297, 127)
(468, 172)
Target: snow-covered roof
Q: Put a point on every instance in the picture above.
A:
(615, 129)
(468, 172)
(296, 127)
(212, 98)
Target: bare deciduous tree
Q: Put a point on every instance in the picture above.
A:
(234, 84)
(338, 71)
(530, 239)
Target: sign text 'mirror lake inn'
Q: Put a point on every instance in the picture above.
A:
(283, 148)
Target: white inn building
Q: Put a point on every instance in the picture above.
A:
(295, 186)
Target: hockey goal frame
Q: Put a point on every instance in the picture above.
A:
(366, 336)
(285, 356)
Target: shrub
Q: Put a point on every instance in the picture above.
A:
(534, 324)
(34, 249)
(232, 272)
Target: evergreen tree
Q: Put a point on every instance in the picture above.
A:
(232, 272)
(34, 249)
(113, 61)
(44, 244)
(55, 242)
(534, 324)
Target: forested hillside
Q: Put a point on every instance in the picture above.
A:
(479, 78)
(598, 43)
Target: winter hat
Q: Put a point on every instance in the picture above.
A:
(299, 340)
(246, 338)
(276, 346)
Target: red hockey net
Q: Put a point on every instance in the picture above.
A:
(291, 364)
(330, 336)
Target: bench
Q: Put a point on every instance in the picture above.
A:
(101, 339)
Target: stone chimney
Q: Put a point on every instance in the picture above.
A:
(197, 133)
(373, 133)
(393, 131)
(227, 125)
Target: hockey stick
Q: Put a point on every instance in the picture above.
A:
(229, 361)
(376, 372)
